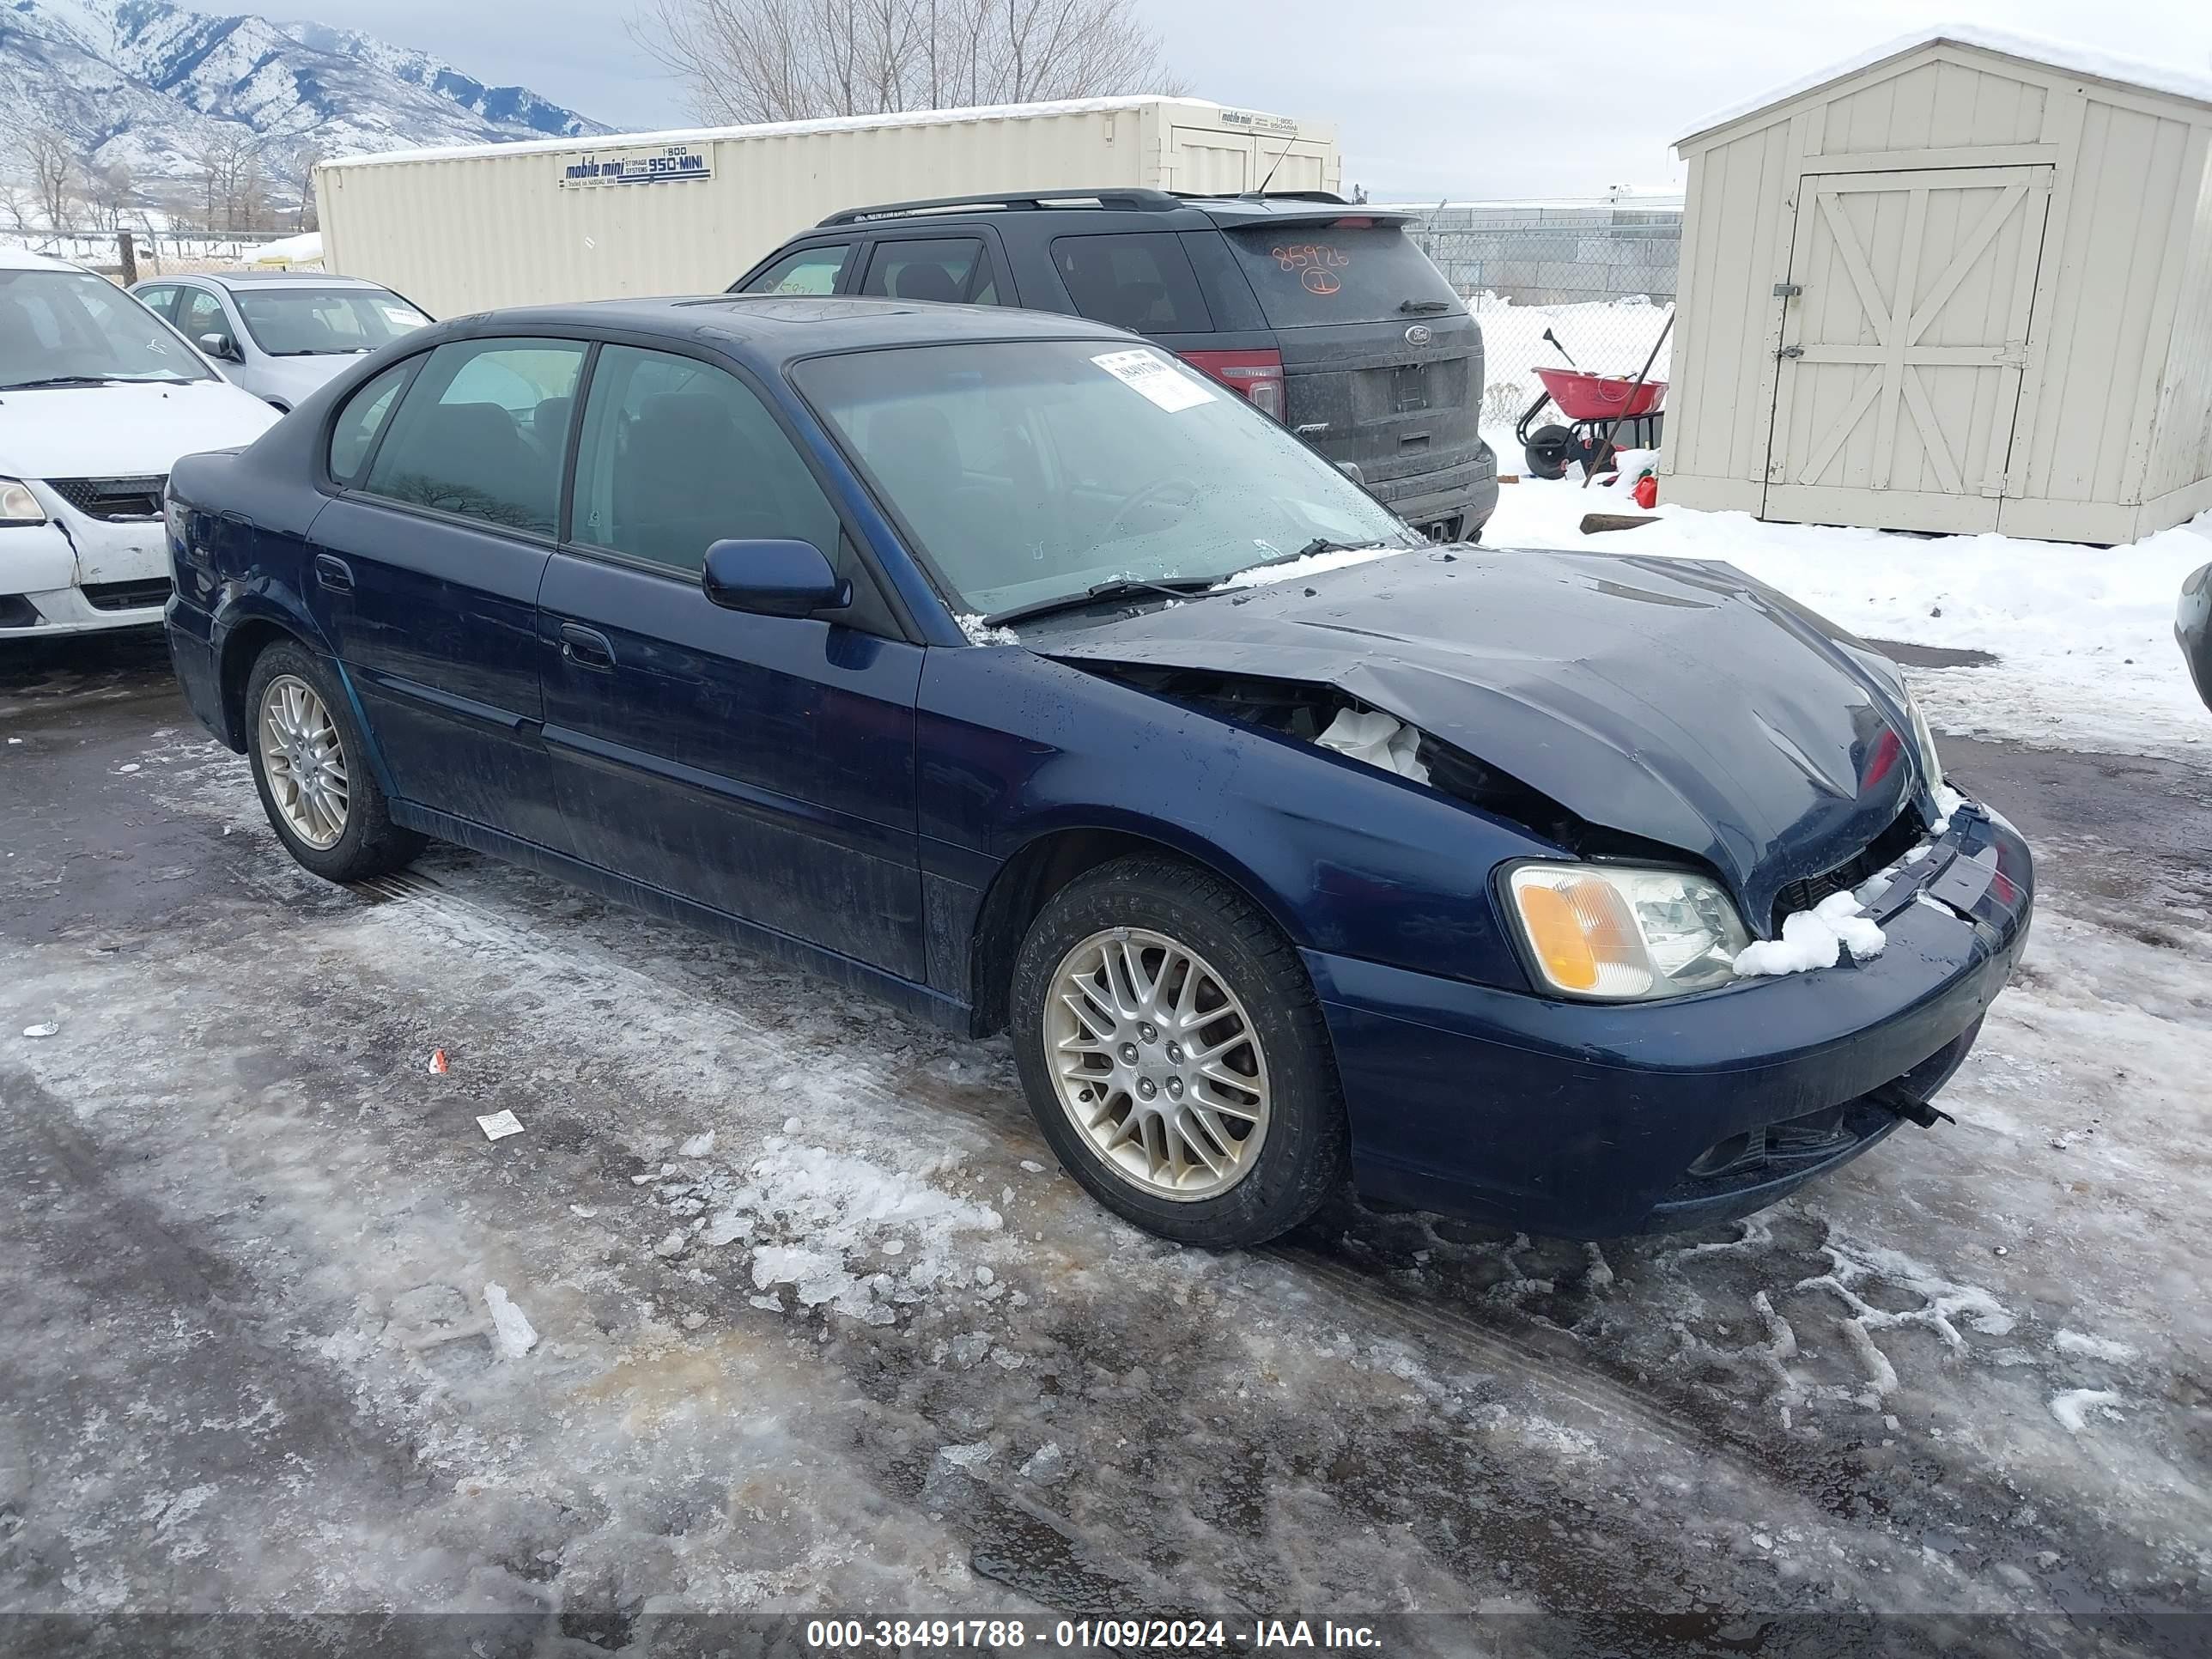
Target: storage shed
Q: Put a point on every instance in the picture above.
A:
(1962, 283)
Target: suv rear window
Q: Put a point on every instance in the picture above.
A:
(1309, 274)
(1142, 282)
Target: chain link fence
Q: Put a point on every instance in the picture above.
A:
(1599, 278)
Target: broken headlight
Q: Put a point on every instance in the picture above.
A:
(1616, 933)
(1923, 739)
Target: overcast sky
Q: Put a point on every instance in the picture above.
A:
(1430, 97)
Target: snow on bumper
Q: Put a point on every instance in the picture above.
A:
(1596, 1120)
(45, 568)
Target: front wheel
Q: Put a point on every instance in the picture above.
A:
(310, 764)
(1173, 1055)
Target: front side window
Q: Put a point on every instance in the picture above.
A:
(482, 431)
(200, 314)
(677, 455)
(952, 271)
(61, 327)
(811, 271)
(307, 322)
(1142, 282)
(354, 434)
(1030, 472)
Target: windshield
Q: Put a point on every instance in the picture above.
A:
(307, 322)
(1307, 274)
(1035, 471)
(71, 327)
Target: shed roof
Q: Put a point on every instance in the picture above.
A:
(2193, 85)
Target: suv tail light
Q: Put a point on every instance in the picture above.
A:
(1257, 374)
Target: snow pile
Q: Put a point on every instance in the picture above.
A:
(1815, 939)
(1313, 564)
(2084, 636)
(511, 1326)
(838, 1231)
(980, 632)
(1379, 740)
(2072, 1408)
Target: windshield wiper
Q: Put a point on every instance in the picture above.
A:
(1425, 305)
(1121, 587)
(65, 379)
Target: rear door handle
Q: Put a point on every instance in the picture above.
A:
(587, 646)
(333, 573)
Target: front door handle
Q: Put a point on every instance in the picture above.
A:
(586, 647)
(333, 573)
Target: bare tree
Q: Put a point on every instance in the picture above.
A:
(110, 192)
(16, 201)
(50, 159)
(789, 60)
(305, 160)
(229, 167)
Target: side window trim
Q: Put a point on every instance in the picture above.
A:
(413, 367)
(442, 515)
(868, 559)
(573, 441)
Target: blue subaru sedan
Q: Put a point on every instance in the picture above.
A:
(1001, 666)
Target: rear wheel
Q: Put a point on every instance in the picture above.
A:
(310, 764)
(1173, 1055)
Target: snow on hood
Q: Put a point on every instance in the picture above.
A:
(1680, 702)
(121, 431)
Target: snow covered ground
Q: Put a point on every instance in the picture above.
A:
(2083, 635)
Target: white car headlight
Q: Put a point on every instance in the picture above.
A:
(1924, 738)
(1615, 933)
(18, 505)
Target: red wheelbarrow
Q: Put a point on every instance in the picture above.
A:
(1590, 403)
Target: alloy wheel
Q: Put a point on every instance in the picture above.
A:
(304, 760)
(1156, 1061)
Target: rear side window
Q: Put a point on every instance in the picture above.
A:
(482, 431)
(354, 434)
(1307, 274)
(160, 300)
(956, 271)
(677, 454)
(810, 270)
(1142, 282)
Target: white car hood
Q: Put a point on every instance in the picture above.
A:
(121, 431)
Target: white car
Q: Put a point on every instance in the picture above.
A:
(97, 396)
(280, 334)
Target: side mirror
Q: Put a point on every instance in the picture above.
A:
(773, 579)
(222, 346)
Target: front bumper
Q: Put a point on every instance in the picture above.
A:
(77, 575)
(1596, 1121)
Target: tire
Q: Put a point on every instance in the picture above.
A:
(1547, 452)
(366, 842)
(1247, 976)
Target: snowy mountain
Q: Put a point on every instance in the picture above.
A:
(151, 85)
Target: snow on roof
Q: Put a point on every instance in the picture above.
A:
(21, 258)
(922, 117)
(2193, 84)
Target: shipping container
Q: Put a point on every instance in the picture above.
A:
(463, 229)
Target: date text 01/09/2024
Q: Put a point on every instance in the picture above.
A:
(1117, 1635)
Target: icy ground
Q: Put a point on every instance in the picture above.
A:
(2083, 635)
(778, 1301)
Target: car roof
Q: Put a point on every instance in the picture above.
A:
(1165, 209)
(237, 279)
(769, 330)
(21, 258)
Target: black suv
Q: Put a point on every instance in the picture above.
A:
(1320, 311)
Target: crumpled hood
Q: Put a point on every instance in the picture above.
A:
(121, 431)
(1671, 699)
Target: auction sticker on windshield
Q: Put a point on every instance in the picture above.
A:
(1156, 378)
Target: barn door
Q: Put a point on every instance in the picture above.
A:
(1903, 346)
